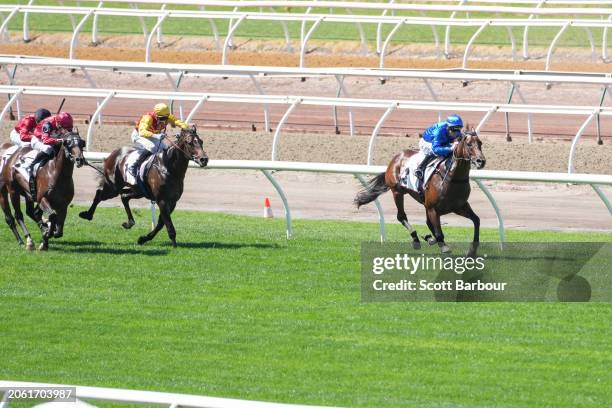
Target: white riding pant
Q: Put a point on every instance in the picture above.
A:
(16, 139)
(41, 147)
(151, 144)
(425, 147)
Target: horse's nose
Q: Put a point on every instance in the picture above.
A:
(480, 163)
(204, 161)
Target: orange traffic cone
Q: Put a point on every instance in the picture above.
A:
(267, 209)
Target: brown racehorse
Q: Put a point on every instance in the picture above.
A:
(164, 181)
(446, 192)
(54, 190)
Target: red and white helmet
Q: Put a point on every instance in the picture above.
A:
(64, 120)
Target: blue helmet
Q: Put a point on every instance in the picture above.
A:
(454, 121)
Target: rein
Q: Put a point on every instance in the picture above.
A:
(189, 157)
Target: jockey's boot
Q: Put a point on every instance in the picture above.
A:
(39, 161)
(420, 172)
(144, 154)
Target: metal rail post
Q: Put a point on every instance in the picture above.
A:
(471, 42)
(553, 44)
(230, 32)
(9, 103)
(383, 50)
(159, 22)
(377, 128)
(572, 155)
(305, 39)
(266, 106)
(75, 36)
(500, 218)
(94, 117)
(283, 197)
(277, 133)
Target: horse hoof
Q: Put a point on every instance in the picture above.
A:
(142, 240)
(416, 244)
(58, 235)
(430, 240)
(86, 215)
(29, 244)
(445, 249)
(128, 224)
(43, 247)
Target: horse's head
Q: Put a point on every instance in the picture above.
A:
(73, 146)
(191, 144)
(469, 147)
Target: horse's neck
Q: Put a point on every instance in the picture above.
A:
(62, 167)
(461, 170)
(176, 162)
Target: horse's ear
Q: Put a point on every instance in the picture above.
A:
(193, 127)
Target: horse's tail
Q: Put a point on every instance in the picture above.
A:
(374, 187)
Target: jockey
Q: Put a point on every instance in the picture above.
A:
(150, 132)
(436, 142)
(47, 135)
(22, 134)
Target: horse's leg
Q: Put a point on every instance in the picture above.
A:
(34, 213)
(403, 218)
(168, 221)
(105, 193)
(16, 203)
(430, 238)
(48, 230)
(125, 199)
(58, 231)
(146, 238)
(4, 203)
(467, 212)
(434, 218)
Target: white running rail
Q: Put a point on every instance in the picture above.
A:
(145, 397)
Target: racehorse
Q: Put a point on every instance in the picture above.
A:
(163, 182)
(54, 190)
(446, 192)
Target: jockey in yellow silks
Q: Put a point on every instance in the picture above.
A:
(150, 132)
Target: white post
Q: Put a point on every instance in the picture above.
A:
(9, 103)
(342, 88)
(379, 29)
(554, 44)
(362, 37)
(75, 35)
(94, 27)
(486, 117)
(280, 126)
(283, 197)
(379, 209)
(529, 118)
(4, 25)
(93, 85)
(150, 37)
(383, 50)
(603, 197)
(436, 37)
(94, 117)
(143, 24)
(160, 37)
(197, 106)
(433, 95)
(500, 218)
(231, 29)
(266, 106)
(604, 42)
(471, 42)
(572, 155)
(26, 24)
(306, 38)
(153, 220)
(526, 32)
(377, 128)
(447, 32)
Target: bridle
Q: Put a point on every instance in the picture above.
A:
(176, 146)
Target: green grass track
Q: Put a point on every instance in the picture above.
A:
(239, 311)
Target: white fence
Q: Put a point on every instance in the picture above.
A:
(358, 171)
(144, 397)
(176, 72)
(236, 17)
(389, 106)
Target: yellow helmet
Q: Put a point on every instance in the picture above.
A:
(161, 109)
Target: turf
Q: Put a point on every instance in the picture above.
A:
(273, 30)
(239, 311)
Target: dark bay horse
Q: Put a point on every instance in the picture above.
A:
(446, 192)
(54, 190)
(164, 181)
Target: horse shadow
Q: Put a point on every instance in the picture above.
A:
(98, 247)
(220, 245)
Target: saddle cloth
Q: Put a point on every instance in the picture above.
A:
(7, 155)
(25, 162)
(408, 178)
(129, 161)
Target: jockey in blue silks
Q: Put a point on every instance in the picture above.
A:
(436, 142)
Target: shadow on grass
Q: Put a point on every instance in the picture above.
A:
(97, 247)
(221, 245)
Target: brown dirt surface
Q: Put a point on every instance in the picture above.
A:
(201, 50)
